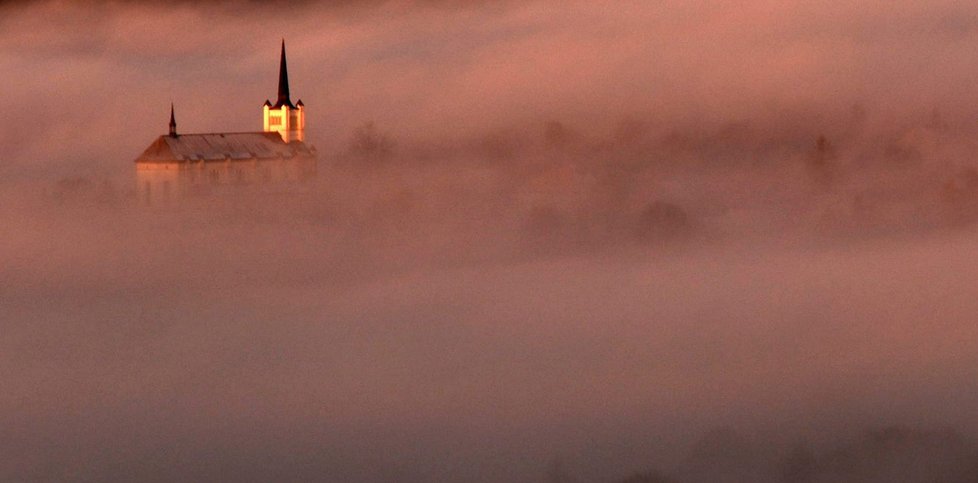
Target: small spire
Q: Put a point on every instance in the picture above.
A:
(283, 81)
(173, 122)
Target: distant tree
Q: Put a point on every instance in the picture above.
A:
(647, 477)
(937, 122)
(557, 473)
(822, 162)
(661, 220)
(545, 227)
(823, 150)
(107, 194)
(74, 190)
(722, 448)
(799, 466)
(961, 196)
(630, 131)
(897, 453)
(904, 149)
(556, 134)
(369, 142)
(502, 144)
(858, 114)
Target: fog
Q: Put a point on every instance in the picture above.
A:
(548, 242)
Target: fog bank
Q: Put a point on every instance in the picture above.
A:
(548, 242)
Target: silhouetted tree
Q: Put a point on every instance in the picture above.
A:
(557, 473)
(369, 142)
(647, 477)
(722, 445)
(799, 466)
(502, 145)
(902, 454)
(822, 163)
(556, 134)
(661, 220)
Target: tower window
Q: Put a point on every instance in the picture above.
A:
(274, 121)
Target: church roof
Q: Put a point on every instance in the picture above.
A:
(242, 146)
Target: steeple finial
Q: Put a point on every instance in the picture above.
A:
(283, 81)
(173, 122)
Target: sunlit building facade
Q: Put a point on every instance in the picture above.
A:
(176, 166)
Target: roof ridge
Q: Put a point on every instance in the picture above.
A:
(220, 133)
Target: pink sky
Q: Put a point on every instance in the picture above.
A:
(103, 74)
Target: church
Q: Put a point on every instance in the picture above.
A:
(176, 166)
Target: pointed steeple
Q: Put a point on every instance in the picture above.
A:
(283, 82)
(173, 122)
(284, 117)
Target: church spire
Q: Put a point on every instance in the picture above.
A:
(173, 122)
(283, 82)
(284, 117)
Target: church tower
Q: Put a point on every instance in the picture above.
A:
(283, 117)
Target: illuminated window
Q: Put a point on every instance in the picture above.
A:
(274, 121)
